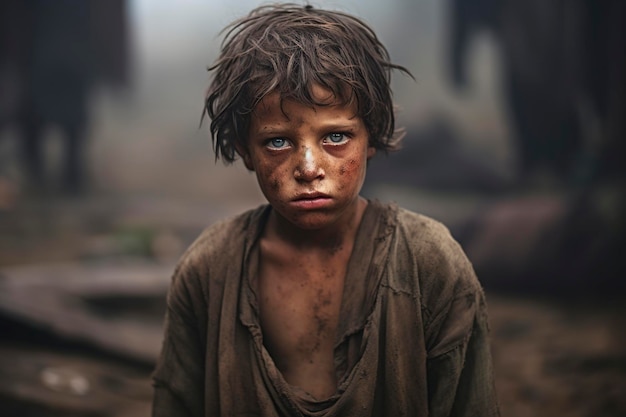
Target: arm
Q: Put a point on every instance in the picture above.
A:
(178, 379)
(460, 371)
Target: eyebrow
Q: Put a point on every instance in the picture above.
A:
(341, 126)
(272, 129)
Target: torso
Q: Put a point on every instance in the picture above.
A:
(300, 294)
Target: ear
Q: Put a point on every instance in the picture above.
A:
(371, 151)
(245, 155)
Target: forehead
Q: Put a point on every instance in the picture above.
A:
(273, 106)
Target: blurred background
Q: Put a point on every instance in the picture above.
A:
(515, 140)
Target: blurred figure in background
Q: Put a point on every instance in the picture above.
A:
(52, 54)
(565, 82)
(563, 74)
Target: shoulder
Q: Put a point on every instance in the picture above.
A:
(217, 247)
(223, 236)
(429, 240)
(441, 268)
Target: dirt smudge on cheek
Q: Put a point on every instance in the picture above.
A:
(347, 172)
(348, 168)
(273, 179)
(275, 183)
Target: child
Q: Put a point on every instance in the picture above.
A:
(321, 303)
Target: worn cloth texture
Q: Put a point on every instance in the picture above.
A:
(412, 337)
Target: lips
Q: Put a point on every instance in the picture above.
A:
(310, 196)
(311, 200)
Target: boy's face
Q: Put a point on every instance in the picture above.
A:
(310, 162)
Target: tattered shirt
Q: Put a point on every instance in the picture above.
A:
(412, 338)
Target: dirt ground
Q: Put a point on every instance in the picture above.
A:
(555, 358)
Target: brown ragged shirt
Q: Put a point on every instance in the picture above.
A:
(412, 337)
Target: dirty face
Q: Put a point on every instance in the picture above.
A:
(310, 162)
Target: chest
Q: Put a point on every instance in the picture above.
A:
(299, 301)
(299, 305)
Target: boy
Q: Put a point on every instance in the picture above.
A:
(321, 303)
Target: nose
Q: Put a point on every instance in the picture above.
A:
(309, 165)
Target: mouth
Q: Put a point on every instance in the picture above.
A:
(310, 196)
(311, 200)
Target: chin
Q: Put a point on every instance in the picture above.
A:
(310, 221)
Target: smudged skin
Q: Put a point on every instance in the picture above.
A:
(310, 163)
(300, 294)
(300, 150)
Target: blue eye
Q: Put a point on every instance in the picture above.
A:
(337, 137)
(277, 142)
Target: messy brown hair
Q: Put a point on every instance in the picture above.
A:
(288, 48)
